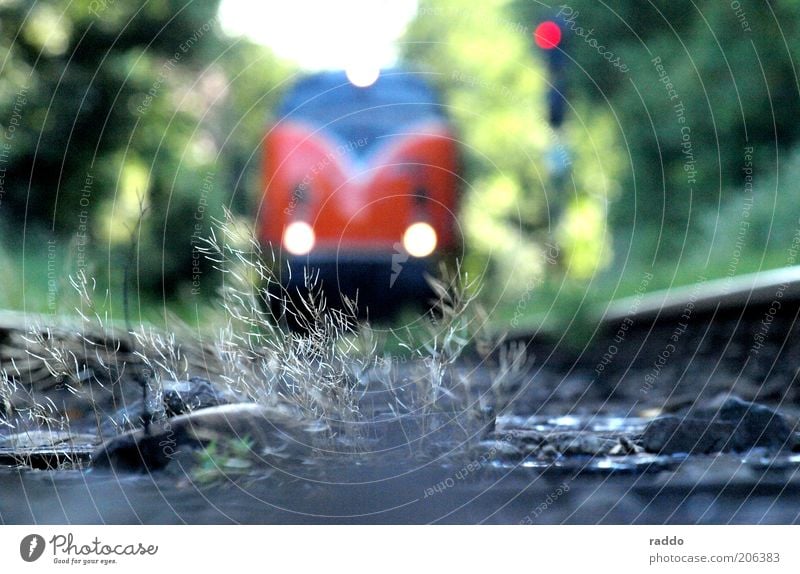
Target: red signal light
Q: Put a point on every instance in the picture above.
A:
(547, 35)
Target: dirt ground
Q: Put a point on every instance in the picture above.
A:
(576, 444)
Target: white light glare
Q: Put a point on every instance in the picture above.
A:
(419, 239)
(298, 238)
(363, 75)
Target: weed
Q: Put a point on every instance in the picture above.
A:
(225, 460)
(330, 370)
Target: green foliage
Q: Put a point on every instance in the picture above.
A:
(111, 107)
(634, 199)
(108, 107)
(225, 460)
(516, 203)
(732, 67)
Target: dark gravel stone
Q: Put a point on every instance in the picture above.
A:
(757, 425)
(672, 434)
(276, 432)
(136, 451)
(736, 425)
(178, 398)
(181, 397)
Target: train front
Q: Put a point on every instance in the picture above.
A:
(360, 189)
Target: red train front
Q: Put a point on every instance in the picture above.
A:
(360, 185)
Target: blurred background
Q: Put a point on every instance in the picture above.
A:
(677, 154)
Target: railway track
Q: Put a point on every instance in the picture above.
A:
(668, 350)
(664, 352)
(682, 346)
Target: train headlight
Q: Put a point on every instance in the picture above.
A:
(363, 74)
(298, 238)
(419, 239)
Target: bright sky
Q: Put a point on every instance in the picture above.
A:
(323, 34)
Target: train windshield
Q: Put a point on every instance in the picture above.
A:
(361, 118)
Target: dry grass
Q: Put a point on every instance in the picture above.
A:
(323, 371)
(316, 368)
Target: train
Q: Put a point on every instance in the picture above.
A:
(360, 189)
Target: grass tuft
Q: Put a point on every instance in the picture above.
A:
(331, 369)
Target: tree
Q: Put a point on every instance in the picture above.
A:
(494, 81)
(705, 81)
(112, 106)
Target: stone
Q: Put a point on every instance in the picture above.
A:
(46, 450)
(178, 398)
(499, 449)
(526, 437)
(181, 397)
(757, 425)
(624, 447)
(269, 429)
(735, 425)
(44, 438)
(673, 435)
(581, 443)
